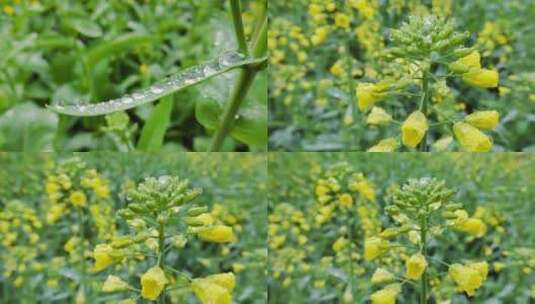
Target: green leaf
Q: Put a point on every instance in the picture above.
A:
(86, 27)
(250, 126)
(114, 47)
(181, 80)
(27, 127)
(152, 135)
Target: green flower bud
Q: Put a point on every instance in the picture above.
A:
(126, 214)
(122, 242)
(137, 208)
(194, 211)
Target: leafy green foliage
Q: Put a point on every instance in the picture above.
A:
(54, 52)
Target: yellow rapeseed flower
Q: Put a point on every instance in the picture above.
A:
(470, 138)
(482, 78)
(345, 200)
(339, 244)
(382, 275)
(483, 119)
(102, 256)
(78, 198)
(217, 234)
(473, 226)
(378, 116)
(468, 277)
(214, 289)
(416, 266)
(152, 283)
(342, 20)
(368, 94)
(414, 129)
(114, 284)
(373, 247)
(386, 145)
(386, 295)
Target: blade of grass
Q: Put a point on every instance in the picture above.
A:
(152, 135)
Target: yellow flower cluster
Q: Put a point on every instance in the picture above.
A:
(215, 289)
(469, 277)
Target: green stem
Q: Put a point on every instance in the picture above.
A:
(424, 106)
(351, 272)
(161, 257)
(238, 25)
(82, 248)
(423, 236)
(244, 82)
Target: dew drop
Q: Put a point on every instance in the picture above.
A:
(208, 70)
(137, 95)
(156, 90)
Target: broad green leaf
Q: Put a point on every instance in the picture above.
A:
(86, 27)
(186, 78)
(152, 135)
(27, 127)
(251, 122)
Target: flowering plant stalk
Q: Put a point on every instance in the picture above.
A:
(426, 52)
(163, 219)
(422, 209)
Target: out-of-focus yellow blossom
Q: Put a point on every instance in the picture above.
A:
(483, 119)
(368, 94)
(114, 284)
(78, 198)
(337, 69)
(386, 295)
(382, 275)
(413, 129)
(72, 244)
(102, 256)
(473, 226)
(214, 289)
(416, 266)
(345, 200)
(320, 35)
(127, 301)
(339, 244)
(342, 20)
(367, 8)
(217, 234)
(470, 62)
(470, 138)
(386, 145)
(482, 78)
(468, 277)
(363, 186)
(9, 10)
(442, 144)
(152, 283)
(378, 116)
(238, 267)
(373, 247)
(498, 266)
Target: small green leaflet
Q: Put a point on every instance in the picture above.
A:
(186, 78)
